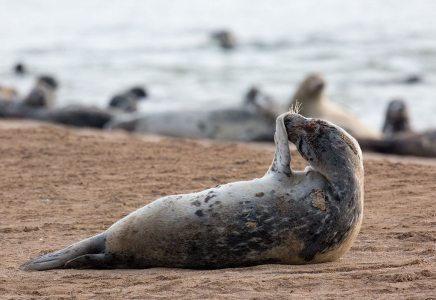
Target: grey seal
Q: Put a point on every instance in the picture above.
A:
(410, 143)
(315, 104)
(399, 137)
(127, 101)
(43, 94)
(19, 68)
(78, 116)
(254, 120)
(397, 118)
(225, 38)
(285, 217)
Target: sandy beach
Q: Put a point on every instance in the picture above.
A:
(60, 185)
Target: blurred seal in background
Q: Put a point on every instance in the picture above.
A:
(254, 120)
(315, 104)
(225, 38)
(43, 94)
(127, 101)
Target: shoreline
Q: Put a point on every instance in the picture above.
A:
(60, 185)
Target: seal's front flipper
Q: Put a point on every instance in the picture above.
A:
(87, 261)
(282, 157)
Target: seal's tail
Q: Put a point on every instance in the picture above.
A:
(56, 260)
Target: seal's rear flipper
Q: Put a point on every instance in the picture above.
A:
(87, 261)
(282, 157)
(56, 260)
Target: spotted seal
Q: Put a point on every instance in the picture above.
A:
(285, 217)
(315, 104)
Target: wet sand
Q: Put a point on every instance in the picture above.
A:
(61, 185)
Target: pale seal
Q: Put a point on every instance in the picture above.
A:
(43, 94)
(254, 120)
(8, 93)
(315, 104)
(285, 217)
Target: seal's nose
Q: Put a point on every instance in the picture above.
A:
(294, 124)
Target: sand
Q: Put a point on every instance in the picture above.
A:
(60, 185)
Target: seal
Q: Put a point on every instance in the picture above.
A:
(265, 104)
(254, 120)
(285, 217)
(78, 116)
(43, 94)
(315, 104)
(19, 69)
(397, 118)
(127, 101)
(399, 138)
(409, 143)
(412, 79)
(225, 38)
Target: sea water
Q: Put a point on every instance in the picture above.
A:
(98, 48)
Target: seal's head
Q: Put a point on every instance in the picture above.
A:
(226, 39)
(397, 118)
(411, 79)
(251, 95)
(124, 103)
(19, 69)
(326, 147)
(311, 87)
(139, 92)
(264, 105)
(49, 81)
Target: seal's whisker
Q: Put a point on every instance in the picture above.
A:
(295, 108)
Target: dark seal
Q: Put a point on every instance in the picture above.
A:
(127, 101)
(78, 116)
(397, 118)
(399, 138)
(225, 38)
(43, 94)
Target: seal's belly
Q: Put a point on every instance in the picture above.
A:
(238, 224)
